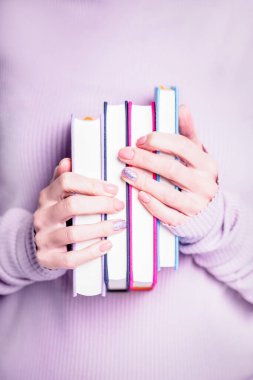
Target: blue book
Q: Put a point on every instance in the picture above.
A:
(166, 99)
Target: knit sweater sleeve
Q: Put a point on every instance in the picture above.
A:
(220, 239)
(18, 264)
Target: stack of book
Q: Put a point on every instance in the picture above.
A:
(145, 246)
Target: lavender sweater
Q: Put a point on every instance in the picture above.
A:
(63, 57)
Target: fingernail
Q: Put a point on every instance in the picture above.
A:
(141, 140)
(129, 174)
(104, 247)
(126, 153)
(112, 189)
(145, 198)
(119, 225)
(118, 205)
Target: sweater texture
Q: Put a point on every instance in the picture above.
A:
(59, 58)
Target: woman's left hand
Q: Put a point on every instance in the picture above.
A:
(195, 173)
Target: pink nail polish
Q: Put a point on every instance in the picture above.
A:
(128, 173)
(119, 225)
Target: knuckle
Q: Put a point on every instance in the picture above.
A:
(70, 204)
(41, 258)
(70, 235)
(38, 240)
(37, 220)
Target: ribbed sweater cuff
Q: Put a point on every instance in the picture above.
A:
(28, 261)
(199, 225)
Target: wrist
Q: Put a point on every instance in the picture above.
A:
(199, 225)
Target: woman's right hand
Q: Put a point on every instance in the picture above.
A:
(68, 195)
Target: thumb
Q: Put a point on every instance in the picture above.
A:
(65, 165)
(186, 125)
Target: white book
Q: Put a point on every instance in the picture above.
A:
(115, 133)
(143, 253)
(166, 121)
(86, 160)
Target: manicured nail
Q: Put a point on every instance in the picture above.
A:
(141, 140)
(118, 205)
(119, 225)
(128, 173)
(145, 198)
(104, 247)
(112, 189)
(126, 153)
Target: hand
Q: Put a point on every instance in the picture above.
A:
(67, 195)
(195, 173)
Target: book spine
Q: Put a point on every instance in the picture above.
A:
(177, 132)
(154, 218)
(73, 170)
(157, 99)
(127, 205)
(102, 133)
(105, 274)
(129, 142)
(87, 278)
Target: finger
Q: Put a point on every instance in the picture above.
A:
(176, 145)
(55, 173)
(186, 125)
(71, 183)
(164, 192)
(77, 234)
(72, 259)
(65, 165)
(78, 205)
(163, 165)
(160, 211)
